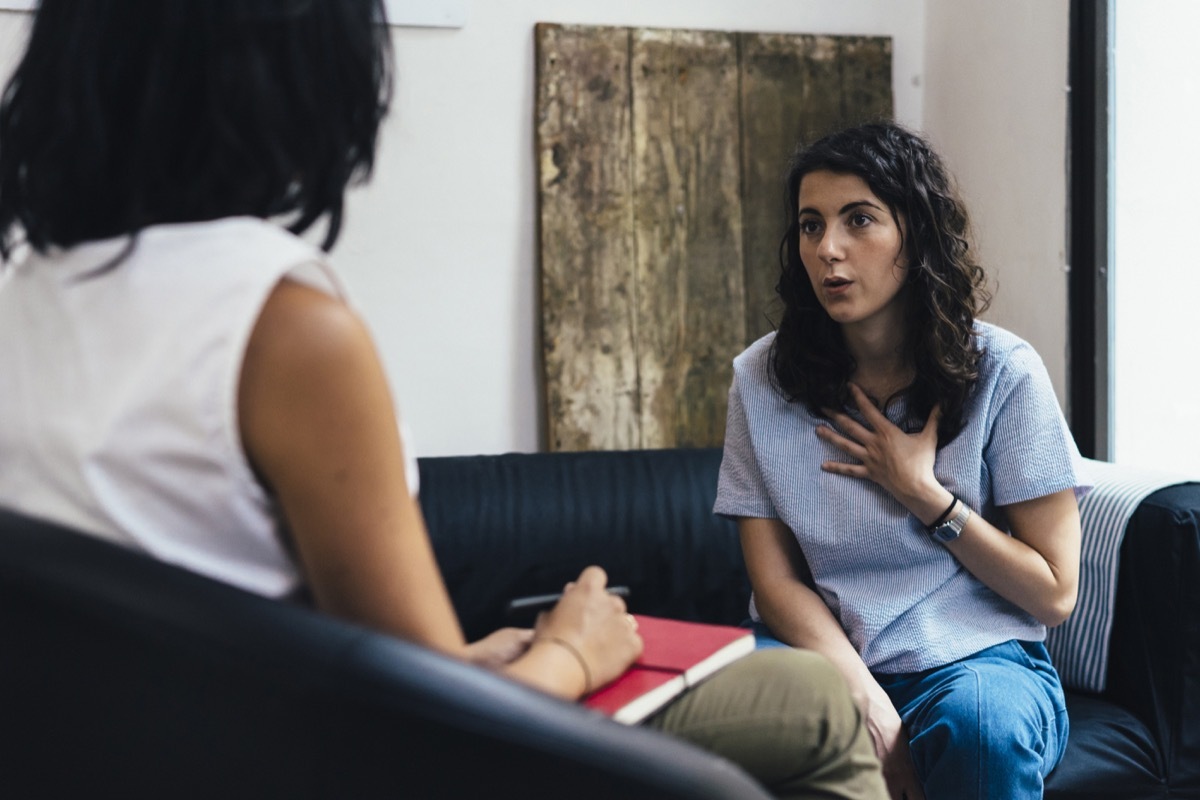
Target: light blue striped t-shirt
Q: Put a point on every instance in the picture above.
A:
(905, 602)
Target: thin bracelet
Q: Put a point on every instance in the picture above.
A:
(573, 650)
(945, 514)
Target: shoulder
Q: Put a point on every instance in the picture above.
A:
(996, 341)
(246, 234)
(310, 365)
(1004, 352)
(755, 389)
(184, 257)
(1014, 383)
(232, 252)
(304, 332)
(755, 360)
(214, 232)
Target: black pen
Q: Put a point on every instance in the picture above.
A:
(541, 602)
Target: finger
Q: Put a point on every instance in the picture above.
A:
(847, 446)
(935, 416)
(864, 403)
(593, 577)
(848, 425)
(873, 415)
(842, 468)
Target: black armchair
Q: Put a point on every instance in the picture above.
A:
(121, 676)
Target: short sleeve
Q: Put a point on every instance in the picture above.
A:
(1030, 452)
(741, 491)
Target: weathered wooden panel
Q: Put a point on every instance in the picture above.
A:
(795, 89)
(866, 78)
(687, 226)
(587, 247)
(661, 158)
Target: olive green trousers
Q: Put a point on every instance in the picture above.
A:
(786, 717)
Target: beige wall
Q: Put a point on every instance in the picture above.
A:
(996, 106)
(440, 250)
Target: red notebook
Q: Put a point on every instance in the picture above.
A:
(677, 655)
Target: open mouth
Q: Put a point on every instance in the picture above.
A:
(836, 283)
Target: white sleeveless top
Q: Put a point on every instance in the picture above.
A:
(118, 392)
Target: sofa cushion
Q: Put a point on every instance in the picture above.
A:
(1110, 754)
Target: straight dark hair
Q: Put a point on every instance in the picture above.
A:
(945, 289)
(129, 113)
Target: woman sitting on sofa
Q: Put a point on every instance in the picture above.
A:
(183, 374)
(904, 481)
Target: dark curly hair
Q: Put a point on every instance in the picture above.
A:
(128, 113)
(944, 292)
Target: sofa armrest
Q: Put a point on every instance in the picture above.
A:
(1154, 650)
(123, 676)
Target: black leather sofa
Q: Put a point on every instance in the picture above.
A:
(120, 676)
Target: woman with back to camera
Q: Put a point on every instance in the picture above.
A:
(183, 374)
(903, 479)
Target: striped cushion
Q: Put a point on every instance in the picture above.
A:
(1079, 647)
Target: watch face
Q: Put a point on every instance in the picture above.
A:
(950, 530)
(946, 532)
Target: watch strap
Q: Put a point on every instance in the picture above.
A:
(952, 528)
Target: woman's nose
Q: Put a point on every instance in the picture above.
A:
(830, 246)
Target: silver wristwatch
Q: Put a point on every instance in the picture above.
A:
(952, 528)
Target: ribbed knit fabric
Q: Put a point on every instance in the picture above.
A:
(904, 601)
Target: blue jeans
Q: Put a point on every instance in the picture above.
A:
(991, 725)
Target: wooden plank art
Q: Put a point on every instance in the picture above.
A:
(661, 156)
(587, 250)
(687, 232)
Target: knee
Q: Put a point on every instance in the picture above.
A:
(812, 694)
(802, 671)
(980, 735)
(974, 718)
(953, 725)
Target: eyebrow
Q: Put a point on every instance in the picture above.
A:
(848, 207)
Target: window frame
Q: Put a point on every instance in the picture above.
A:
(1090, 285)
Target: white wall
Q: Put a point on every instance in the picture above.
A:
(996, 107)
(439, 250)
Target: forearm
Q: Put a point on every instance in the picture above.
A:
(798, 616)
(794, 611)
(1016, 571)
(551, 668)
(1035, 569)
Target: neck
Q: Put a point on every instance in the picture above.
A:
(882, 365)
(880, 349)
